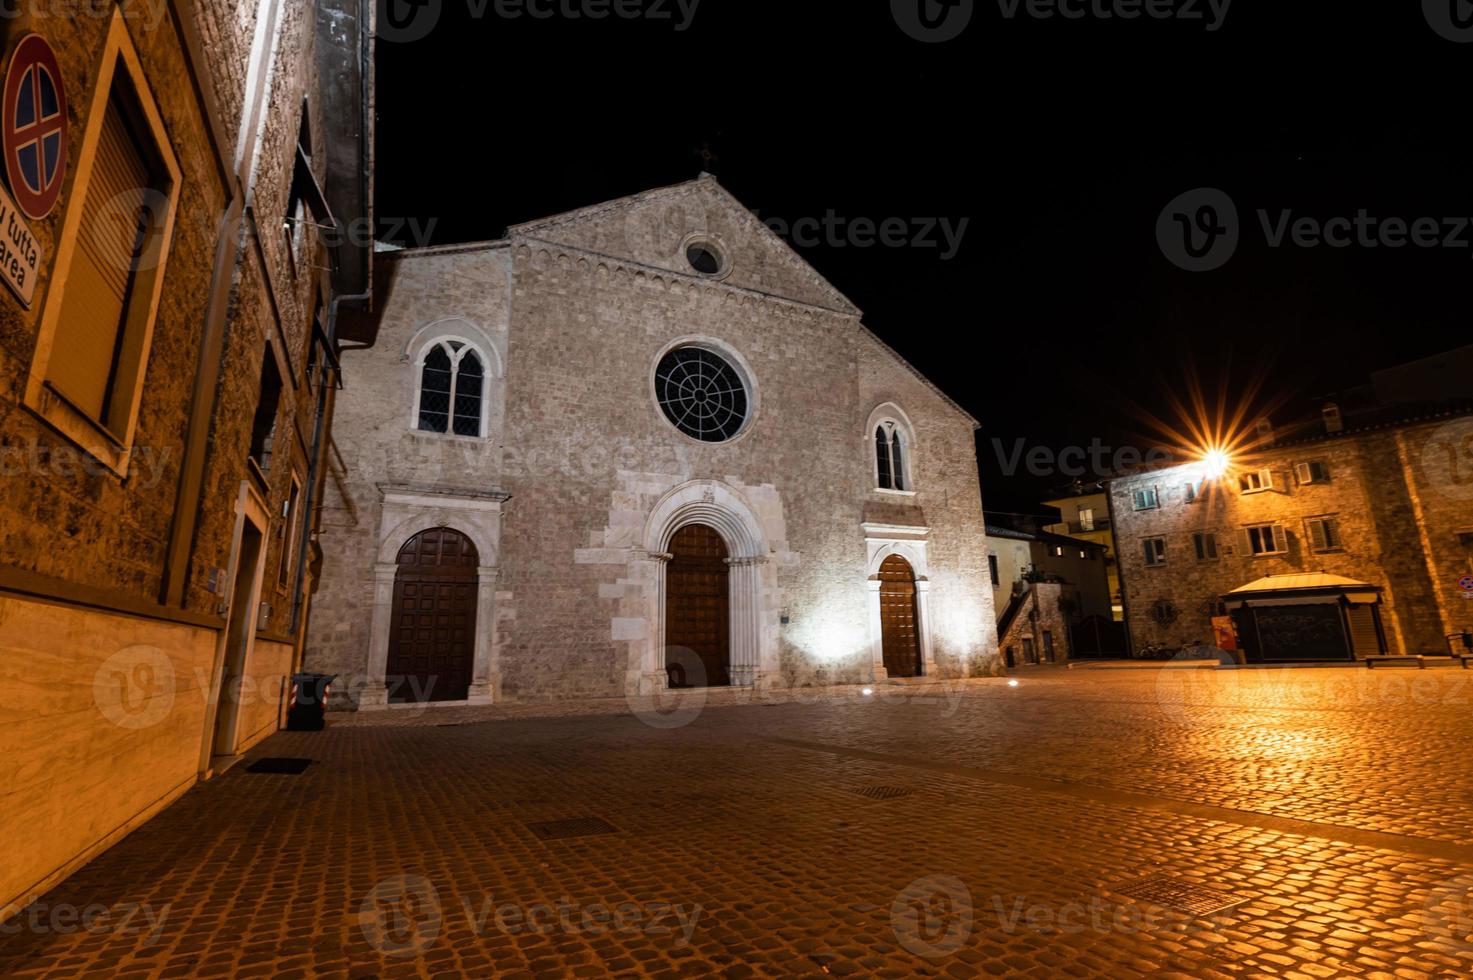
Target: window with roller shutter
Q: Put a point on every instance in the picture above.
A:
(98, 331)
(96, 327)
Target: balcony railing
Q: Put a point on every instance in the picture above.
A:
(1076, 527)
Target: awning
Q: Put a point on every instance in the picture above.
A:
(1302, 588)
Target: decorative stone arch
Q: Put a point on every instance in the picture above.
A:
(882, 541)
(454, 329)
(754, 625)
(397, 537)
(893, 414)
(406, 512)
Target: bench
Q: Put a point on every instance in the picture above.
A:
(1419, 659)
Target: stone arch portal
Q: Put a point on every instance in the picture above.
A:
(752, 624)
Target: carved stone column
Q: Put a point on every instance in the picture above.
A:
(876, 632)
(746, 620)
(374, 694)
(923, 613)
(486, 672)
(647, 675)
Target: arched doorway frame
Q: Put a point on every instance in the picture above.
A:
(753, 625)
(913, 552)
(479, 520)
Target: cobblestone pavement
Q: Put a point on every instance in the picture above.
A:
(969, 829)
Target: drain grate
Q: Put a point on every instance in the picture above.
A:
(280, 766)
(569, 829)
(883, 792)
(1174, 893)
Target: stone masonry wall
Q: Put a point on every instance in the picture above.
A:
(451, 292)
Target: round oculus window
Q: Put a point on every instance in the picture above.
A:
(701, 394)
(704, 258)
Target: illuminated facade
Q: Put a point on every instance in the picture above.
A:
(639, 445)
(1371, 513)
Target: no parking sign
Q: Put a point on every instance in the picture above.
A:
(33, 126)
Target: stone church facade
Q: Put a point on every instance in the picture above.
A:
(638, 445)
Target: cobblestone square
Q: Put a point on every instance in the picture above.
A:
(1299, 823)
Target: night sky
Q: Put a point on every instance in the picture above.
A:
(1059, 320)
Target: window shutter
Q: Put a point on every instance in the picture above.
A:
(91, 318)
(1317, 535)
(1245, 543)
(1303, 473)
(1149, 546)
(1281, 538)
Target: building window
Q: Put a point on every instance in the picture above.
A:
(294, 221)
(1058, 551)
(1205, 543)
(92, 345)
(992, 566)
(1086, 519)
(1145, 499)
(1331, 414)
(890, 457)
(1315, 471)
(1265, 539)
(1194, 492)
(1253, 481)
(451, 389)
(289, 538)
(268, 401)
(1155, 550)
(701, 394)
(704, 256)
(1324, 533)
(1084, 554)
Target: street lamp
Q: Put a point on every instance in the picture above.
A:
(1215, 463)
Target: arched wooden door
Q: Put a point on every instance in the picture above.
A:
(432, 633)
(697, 610)
(898, 627)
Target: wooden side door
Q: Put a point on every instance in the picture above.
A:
(898, 629)
(432, 632)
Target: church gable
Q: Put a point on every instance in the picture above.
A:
(694, 229)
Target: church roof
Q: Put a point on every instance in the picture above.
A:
(823, 294)
(837, 301)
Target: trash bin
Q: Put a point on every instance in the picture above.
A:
(307, 708)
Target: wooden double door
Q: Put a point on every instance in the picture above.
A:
(899, 630)
(432, 632)
(697, 609)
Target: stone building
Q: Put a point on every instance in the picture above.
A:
(1338, 538)
(168, 383)
(637, 445)
(1017, 556)
(1043, 585)
(1084, 513)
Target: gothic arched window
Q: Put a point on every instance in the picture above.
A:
(890, 457)
(451, 389)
